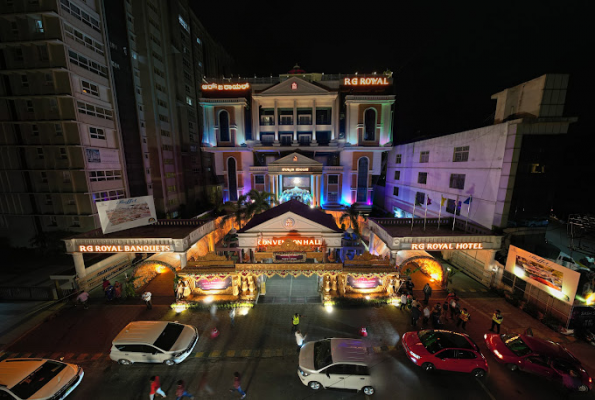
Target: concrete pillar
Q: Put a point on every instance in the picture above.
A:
(271, 184)
(393, 257)
(318, 187)
(295, 122)
(183, 259)
(314, 122)
(79, 265)
(276, 123)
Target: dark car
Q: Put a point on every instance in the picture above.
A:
(439, 349)
(540, 357)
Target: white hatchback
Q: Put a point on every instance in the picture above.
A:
(336, 363)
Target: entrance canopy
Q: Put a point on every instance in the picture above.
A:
(296, 177)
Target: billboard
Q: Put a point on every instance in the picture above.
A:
(550, 277)
(98, 158)
(118, 215)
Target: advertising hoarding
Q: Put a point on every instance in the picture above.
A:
(98, 158)
(363, 282)
(118, 215)
(550, 277)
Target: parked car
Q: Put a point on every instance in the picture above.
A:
(154, 342)
(335, 363)
(540, 357)
(38, 379)
(440, 349)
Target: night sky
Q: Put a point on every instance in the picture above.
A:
(448, 58)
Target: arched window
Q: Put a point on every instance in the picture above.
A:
(232, 179)
(362, 180)
(370, 124)
(224, 126)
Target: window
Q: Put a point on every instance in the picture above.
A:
(285, 116)
(40, 155)
(362, 180)
(422, 178)
(94, 111)
(224, 135)
(449, 353)
(466, 355)
(183, 23)
(232, 179)
(165, 133)
(323, 116)
(167, 147)
(96, 133)
(87, 64)
(39, 26)
(461, 154)
(397, 175)
(52, 221)
(162, 103)
(155, 40)
(457, 181)
(90, 88)
(48, 200)
(188, 100)
(80, 15)
(63, 153)
(398, 159)
(44, 177)
(17, 53)
(58, 129)
(451, 206)
(163, 118)
(424, 157)
(370, 124)
(76, 222)
(332, 197)
(167, 161)
(24, 81)
(105, 196)
(333, 179)
(66, 176)
(396, 191)
(267, 117)
(99, 176)
(304, 116)
(29, 106)
(14, 28)
(42, 53)
(34, 130)
(259, 179)
(158, 72)
(49, 80)
(420, 198)
(304, 139)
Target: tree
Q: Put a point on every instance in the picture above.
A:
(259, 202)
(235, 211)
(352, 215)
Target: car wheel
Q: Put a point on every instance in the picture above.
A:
(512, 367)
(583, 388)
(478, 373)
(314, 385)
(169, 362)
(428, 367)
(368, 390)
(124, 362)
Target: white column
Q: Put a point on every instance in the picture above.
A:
(183, 259)
(276, 123)
(314, 121)
(272, 184)
(318, 189)
(295, 122)
(79, 265)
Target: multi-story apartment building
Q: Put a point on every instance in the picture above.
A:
(59, 136)
(308, 136)
(158, 49)
(490, 175)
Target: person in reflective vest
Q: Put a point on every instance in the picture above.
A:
(497, 319)
(464, 316)
(295, 322)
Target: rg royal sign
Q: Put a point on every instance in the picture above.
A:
(447, 246)
(124, 248)
(361, 81)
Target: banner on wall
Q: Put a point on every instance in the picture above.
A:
(98, 158)
(122, 214)
(550, 277)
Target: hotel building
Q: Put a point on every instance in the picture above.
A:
(308, 136)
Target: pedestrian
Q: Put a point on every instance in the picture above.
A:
(203, 385)
(295, 322)
(453, 308)
(414, 302)
(105, 285)
(180, 290)
(299, 338)
(436, 323)
(232, 317)
(181, 391)
(445, 311)
(464, 316)
(426, 316)
(427, 293)
(415, 314)
(147, 299)
(403, 301)
(497, 319)
(83, 298)
(237, 385)
(118, 290)
(409, 284)
(155, 388)
(214, 312)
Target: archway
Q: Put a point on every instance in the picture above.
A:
(428, 265)
(157, 277)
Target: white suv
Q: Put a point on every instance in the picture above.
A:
(336, 363)
(37, 379)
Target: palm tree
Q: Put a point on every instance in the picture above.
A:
(259, 202)
(352, 215)
(237, 211)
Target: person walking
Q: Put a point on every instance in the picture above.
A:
(427, 293)
(83, 298)
(415, 314)
(106, 284)
(299, 339)
(453, 308)
(295, 322)
(237, 385)
(436, 324)
(147, 299)
(403, 301)
(464, 316)
(180, 290)
(214, 313)
(497, 319)
(181, 391)
(427, 314)
(155, 388)
(118, 291)
(232, 317)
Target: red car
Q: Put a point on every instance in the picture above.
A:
(540, 357)
(438, 349)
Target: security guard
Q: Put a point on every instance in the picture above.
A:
(497, 319)
(295, 323)
(464, 316)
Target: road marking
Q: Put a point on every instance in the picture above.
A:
(267, 353)
(69, 356)
(82, 357)
(215, 354)
(230, 353)
(96, 356)
(199, 354)
(246, 353)
(55, 356)
(485, 389)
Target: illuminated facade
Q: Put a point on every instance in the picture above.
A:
(312, 137)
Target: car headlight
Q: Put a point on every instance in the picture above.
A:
(302, 372)
(498, 354)
(414, 355)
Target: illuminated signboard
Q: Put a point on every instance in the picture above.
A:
(363, 283)
(447, 246)
(213, 284)
(279, 242)
(295, 169)
(361, 81)
(124, 248)
(230, 86)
